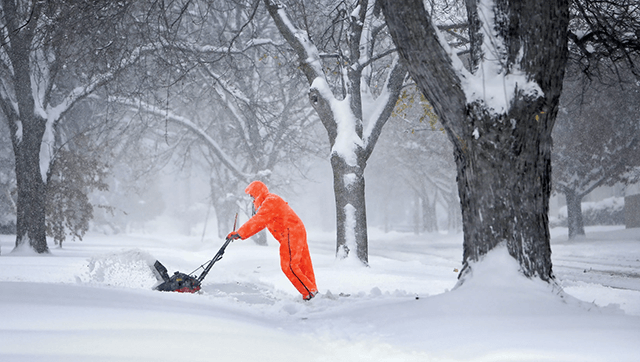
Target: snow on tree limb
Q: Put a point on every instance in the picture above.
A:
(55, 113)
(201, 50)
(384, 105)
(231, 96)
(299, 39)
(497, 80)
(188, 124)
(445, 92)
(225, 87)
(346, 139)
(338, 119)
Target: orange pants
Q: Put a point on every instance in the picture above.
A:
(295, 262)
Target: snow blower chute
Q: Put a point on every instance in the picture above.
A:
(187, 283)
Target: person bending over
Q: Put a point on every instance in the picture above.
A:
(277, 216)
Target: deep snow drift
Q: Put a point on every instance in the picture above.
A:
(93, 301)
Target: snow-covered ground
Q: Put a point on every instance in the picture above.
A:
(93, 301)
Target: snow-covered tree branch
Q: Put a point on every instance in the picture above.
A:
(351, 114)
(49, 61)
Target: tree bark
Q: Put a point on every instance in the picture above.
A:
(504, 184)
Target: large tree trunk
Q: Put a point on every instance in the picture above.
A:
(504, 184)
(502, 151)
(27, 130)
(31, 227)
(575, 222)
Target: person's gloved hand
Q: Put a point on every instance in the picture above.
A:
(233, 236)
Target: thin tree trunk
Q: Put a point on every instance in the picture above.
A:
(429, 215)
(453, 212)
(575, 222)
(416, 214)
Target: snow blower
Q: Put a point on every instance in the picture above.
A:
(187, 283)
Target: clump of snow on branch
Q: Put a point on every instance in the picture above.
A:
(347, 139)
(263, 174)
(372, 108)
(350, 232)
(303, 38)
(349, 179)
(19, 131)
(46, 150)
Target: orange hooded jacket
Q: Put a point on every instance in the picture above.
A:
(277, 216)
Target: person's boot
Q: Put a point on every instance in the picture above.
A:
(310, 295)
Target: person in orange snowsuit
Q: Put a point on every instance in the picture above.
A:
(277, 216)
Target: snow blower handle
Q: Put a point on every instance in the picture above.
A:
(233, 235)
(218, 255)
(235, 221)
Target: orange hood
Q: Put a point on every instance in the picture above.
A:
(259, 191)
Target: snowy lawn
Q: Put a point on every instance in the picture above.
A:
(93, 301)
